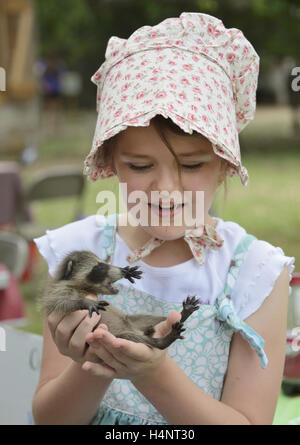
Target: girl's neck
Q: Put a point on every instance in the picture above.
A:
(170, 253)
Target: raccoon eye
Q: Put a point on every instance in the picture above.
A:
(98, 273)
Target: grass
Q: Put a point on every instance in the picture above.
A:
(269, 206)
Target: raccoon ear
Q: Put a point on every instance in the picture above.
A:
(67, 272)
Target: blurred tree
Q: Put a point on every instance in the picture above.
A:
(79, 29)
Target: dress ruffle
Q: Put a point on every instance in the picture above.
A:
(260, 283)
(110, 416)
(226, 313)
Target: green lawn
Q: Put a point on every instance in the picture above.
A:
(288, 410)
(269, 207)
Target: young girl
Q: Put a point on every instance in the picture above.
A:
(171, 99)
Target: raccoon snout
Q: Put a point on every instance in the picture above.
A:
(102, 271)
(115, 273)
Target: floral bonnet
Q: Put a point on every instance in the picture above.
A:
(190, 69)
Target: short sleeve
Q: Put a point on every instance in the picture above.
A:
(257, 276)
(79, 235)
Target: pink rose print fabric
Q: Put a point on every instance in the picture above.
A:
(197, 240)
(191, 69)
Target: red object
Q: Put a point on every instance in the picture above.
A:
(292, 367)
(291, 372)
(295, 281)
(32, 260)
(11, 301)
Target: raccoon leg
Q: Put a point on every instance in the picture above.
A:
(160, 343)
(68, 305)
(145, 323)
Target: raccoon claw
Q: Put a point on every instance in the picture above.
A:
(131, 272)
(101, 303)
(96, 306)
(92, 309)
(190, 304)
(177, 329)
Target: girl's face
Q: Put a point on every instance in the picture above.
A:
(144, 163)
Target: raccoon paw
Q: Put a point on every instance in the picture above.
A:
(190, 304)
(177, 330)
(96, 306)
(102, 303)
(131, 272)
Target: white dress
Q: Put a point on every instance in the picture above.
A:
(261, 268)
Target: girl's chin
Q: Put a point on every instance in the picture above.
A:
(166, 233)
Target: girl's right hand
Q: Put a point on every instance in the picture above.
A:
(69, 333)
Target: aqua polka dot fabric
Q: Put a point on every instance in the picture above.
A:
(202, 354)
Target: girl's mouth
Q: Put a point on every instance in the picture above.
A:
(167, 210)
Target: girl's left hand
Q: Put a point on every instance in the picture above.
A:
(125, 359)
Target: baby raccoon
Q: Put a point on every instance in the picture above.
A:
(82, 273)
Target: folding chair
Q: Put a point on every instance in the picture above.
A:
(13, 252)
(54, 183)
(13, 261)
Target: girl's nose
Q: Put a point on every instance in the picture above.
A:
(166, 178)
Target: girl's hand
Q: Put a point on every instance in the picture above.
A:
(69, 333)
(124, 359)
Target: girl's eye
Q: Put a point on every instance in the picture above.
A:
(138, 167)
(194, 165)
(143, 167)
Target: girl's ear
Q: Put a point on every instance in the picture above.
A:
(223, 170)
(221, 179)
(113, 167)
